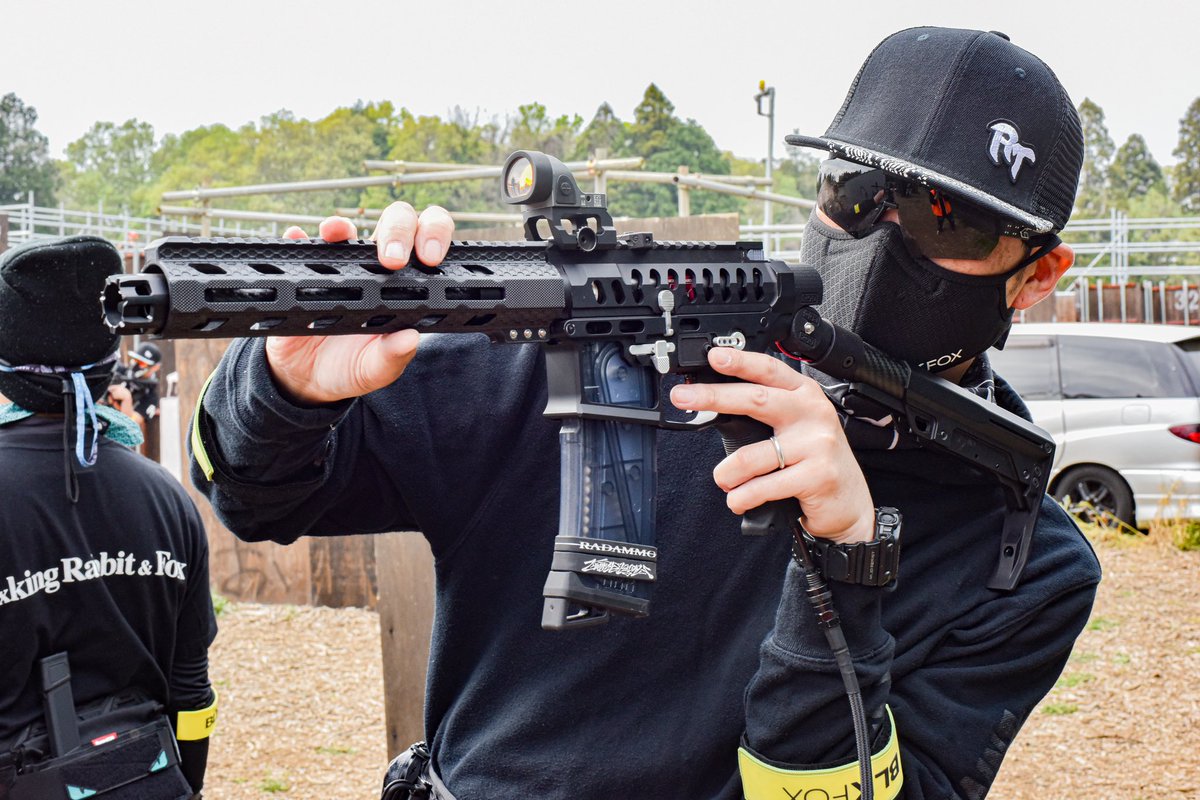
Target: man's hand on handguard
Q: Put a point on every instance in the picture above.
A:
(325, 369)
(821, 470)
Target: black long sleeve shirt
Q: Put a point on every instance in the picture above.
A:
(117, 580)
(458, 449)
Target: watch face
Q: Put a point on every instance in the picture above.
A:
(887, 523)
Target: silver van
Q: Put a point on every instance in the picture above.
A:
(1121, 401)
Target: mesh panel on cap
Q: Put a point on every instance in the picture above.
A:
(1054, 195)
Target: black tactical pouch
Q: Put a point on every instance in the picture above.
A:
(407, 777)
(121, 748)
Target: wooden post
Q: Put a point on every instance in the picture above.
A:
(152, 446)
(263, 572)
(3, 232)
(206, 218)
(343, 571)
(601, 182)
(336, 571)
(684, 193)
(406, 589)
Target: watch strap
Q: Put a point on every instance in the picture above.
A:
(874, 563)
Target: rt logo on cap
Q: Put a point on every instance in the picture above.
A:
(1006, 141)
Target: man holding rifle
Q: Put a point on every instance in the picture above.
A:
(954, 163)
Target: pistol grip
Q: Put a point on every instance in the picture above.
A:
(776, 516)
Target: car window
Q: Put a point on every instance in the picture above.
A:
(1030, 364)
(1114, 368)
(1191, 354)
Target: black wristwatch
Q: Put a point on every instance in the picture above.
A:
(867, 563)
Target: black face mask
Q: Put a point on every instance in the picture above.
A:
(905, 305)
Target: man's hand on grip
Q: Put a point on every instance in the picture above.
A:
(820, 471)
(324, 369)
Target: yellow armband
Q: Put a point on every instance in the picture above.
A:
(198, 449)
(763, 781)
(191, 726)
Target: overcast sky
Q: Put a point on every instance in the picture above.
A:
(178, 65)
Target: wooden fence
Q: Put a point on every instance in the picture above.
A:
(1143, 301)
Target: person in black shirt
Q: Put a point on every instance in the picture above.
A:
(954, 164)
(141, 376)
(103, 556)
(134, 391)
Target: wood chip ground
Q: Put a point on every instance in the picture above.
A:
(302, 697)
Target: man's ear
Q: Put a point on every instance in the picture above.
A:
(1040, 278)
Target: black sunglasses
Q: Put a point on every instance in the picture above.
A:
(935, 224)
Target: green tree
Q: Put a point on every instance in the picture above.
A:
(287, 149)
(666, 143)
(202, 158)
(1092, 197)
(1185, 176)
(533, 129)
(1156, 202)
(800, 169)
(462, 139)
(605, 131)
(111, 165)
(1133, 173)
(25, 164)
(120, 164)
(280, 149)
(383, 117)
(653, 120)
(794, 175)
(353, 135)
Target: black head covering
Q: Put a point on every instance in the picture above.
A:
(967, 112)
(50, 315)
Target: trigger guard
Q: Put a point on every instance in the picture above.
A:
(702, 419)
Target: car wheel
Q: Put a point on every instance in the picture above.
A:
(1097, 496)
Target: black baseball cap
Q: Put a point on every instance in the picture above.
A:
(146, 354)
(969, 113)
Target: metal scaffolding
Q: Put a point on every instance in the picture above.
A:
(400, 173)
(1106, 249)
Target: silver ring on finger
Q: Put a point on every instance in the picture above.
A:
(779, 452)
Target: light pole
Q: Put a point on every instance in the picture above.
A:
(767, 92)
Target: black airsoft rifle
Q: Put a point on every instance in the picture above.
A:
(616, 315)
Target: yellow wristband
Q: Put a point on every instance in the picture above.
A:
(762, 781)
(191, 726)
(198, 449)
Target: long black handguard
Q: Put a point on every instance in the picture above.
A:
(511, 291)
(218, 288)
